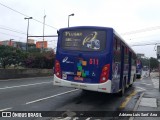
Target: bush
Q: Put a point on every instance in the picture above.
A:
(10, 56)
(44, 60)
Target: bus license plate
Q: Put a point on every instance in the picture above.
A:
(78, 78)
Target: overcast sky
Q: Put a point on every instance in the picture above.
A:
(139, 17)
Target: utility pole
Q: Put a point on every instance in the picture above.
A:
(27, 31)
(149, 67)
(159, 74)
(158, 58)
(43, 31)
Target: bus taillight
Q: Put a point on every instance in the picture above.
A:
(105, 73)
(57, 69)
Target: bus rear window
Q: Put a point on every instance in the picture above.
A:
(84, 40)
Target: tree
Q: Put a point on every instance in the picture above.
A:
(11, 56)
(42, 60)
(49, 58)
(153, 63)
(145, 61)
(32, 59)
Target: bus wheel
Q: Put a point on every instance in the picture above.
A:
(134, 78)
(121, 93)
(130, 85)
(132, 82)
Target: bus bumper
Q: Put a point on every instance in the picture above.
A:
(101, 87)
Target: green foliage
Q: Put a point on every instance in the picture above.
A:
(31, 59)
(40, 60)
(145, 61)
(34, 50)
(11, 56)
(153, 63)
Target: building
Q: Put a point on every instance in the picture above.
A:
(41, 44)
(17, 44)
(6, 43)
(31, 41)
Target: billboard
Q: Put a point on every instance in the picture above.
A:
(41, 44)
(31, 41)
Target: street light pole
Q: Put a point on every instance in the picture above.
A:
(27, 31)
(69, 17)
(43, 31)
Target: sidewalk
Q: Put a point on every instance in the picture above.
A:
(150, 98)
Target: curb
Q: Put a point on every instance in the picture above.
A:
(136, 106)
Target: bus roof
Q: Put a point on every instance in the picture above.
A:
(87, 27)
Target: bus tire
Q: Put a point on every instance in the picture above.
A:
(133, 81)
(134, 78)
(131, 85)
(121, 93)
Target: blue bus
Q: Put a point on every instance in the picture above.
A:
(94, 58)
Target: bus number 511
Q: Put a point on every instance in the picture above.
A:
(93, 61)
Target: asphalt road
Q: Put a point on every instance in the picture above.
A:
(39, 94)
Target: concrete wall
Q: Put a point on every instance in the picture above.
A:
(24, 73)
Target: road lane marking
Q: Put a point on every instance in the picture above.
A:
(51, 96)
(146, 84)
(5, 109)
(16, 79)
(140, 88)
(24, 85)
(123, 105)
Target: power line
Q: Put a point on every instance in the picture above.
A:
(146, 41)
(141, 30)
(26, 15)
(12, 30)
(14, 35)
(147, 36)
(145, 44)
(20, 32)
(2, 26)
(11, 35)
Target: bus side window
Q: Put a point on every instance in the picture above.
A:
(126, 55)
(116, 48)
(134, 59)
(115, 44)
